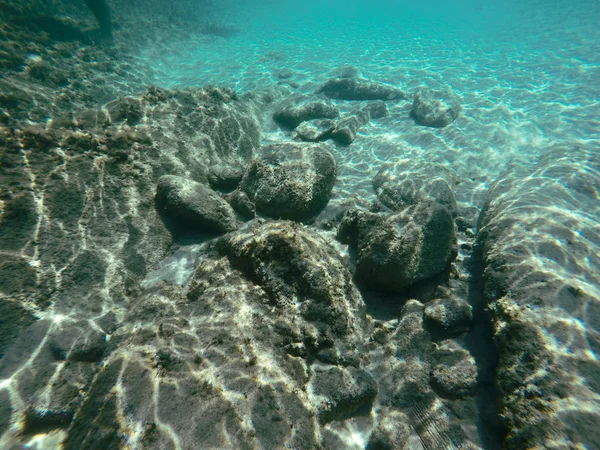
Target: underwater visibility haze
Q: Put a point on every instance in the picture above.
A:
(329, 224)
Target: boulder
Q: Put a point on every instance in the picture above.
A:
(299, 108)
(192, 206)
(397, 251)
(405, 182)
(290, 180)
(352, 89)
(435, 108)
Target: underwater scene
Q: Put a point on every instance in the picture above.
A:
(318, 224)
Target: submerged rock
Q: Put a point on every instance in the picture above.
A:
(299, 108)
(218, 352)
(435, 108)
(455, 372)
(342, 392)
(290, 180)
(407, 182)
(193, 206)
(397, 251)
(451, 315)
(347, 127)
(316, 130)
(352, 89)
(541, 271)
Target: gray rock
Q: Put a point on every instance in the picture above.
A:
(406, 182)
(435, 108)
(194, 206)
(377, 109)
(352, 89)
(400, 250)
(316, 130)
(290, 180)
(538, 234)
(343, 392)
(452, 314)
(347, 127)
(455, 372)
(299, 108)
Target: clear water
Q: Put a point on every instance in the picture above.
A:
(528, 74)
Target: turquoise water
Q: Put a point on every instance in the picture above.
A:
(107, 347)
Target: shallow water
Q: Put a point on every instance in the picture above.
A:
(98, 290)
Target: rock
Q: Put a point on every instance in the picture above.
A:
(316, 130)
(193, 206)
(284, 74)
(346, 128)
(455, 372)
(407, 182)
(264, 299)
(343, 392)
(299, 108)
(435, 108)
(351, 89)
(392, 432)
(541, 271)
(290, 180)
(397, 251)
(377, 109)
(242, 204)
(127, 110)
(225, 177)
(450, 315)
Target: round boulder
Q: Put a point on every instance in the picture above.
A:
(192, 206)
(290, 180)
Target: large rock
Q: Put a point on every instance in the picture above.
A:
(221, 354)
(290, 180)
(85, 249)
(435, 108)
(193, 206)
(299, 108)
(540, 238)
(397, 251)
(352, 89)
(405, 182)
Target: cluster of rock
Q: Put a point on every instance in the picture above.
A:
(315, 118)
(276, 340)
